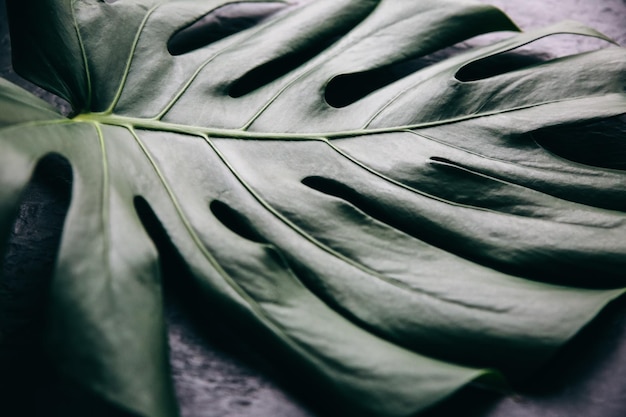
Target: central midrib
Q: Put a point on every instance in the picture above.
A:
(107, 118)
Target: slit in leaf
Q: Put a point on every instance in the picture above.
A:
(534, 53)
(42, 210)
(235, 221)
(346, 89)
(219, 24)
(337, 189)
(377, 210)
(170, 260)
(273, 70)
(600, 144)
(442, 160)
(26, 272)
(457, 183)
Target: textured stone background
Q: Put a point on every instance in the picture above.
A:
(216, 372)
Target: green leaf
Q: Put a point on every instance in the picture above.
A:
(391, 249)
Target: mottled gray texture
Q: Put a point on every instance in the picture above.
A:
(217, 374)
(213, 384)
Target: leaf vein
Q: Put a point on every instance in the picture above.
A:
(253, 305)
(105, 196)
(357, 265)
(194, 76)
(83, 53)
(129, 61)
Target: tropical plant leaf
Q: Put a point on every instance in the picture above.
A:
(392, 248)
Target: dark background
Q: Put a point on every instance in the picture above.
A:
(217, 373)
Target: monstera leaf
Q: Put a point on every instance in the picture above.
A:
(391, 245)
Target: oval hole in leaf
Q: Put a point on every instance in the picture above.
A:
(235, 221)
(272, 70)
(461, 184)
(346, 89)
(170, 260)
(534, 53)
(600, 144)
(41, 213)
(219, 24)
(372, 208)
(25, 275)
(378, 211)
(442, 160)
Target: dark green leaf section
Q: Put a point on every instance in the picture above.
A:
(50, 54)
(391, 251)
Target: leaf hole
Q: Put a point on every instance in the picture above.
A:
(337, 189)
(36, 231)
(442, 160)
(538, 52)
(329, 186)
(273, 70)
(600, 143)
(461, 184)
(346, 89)
(172, 266)
(235, 222)
(220, 23)
(26, 268)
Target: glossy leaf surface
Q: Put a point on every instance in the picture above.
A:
(391, 248)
